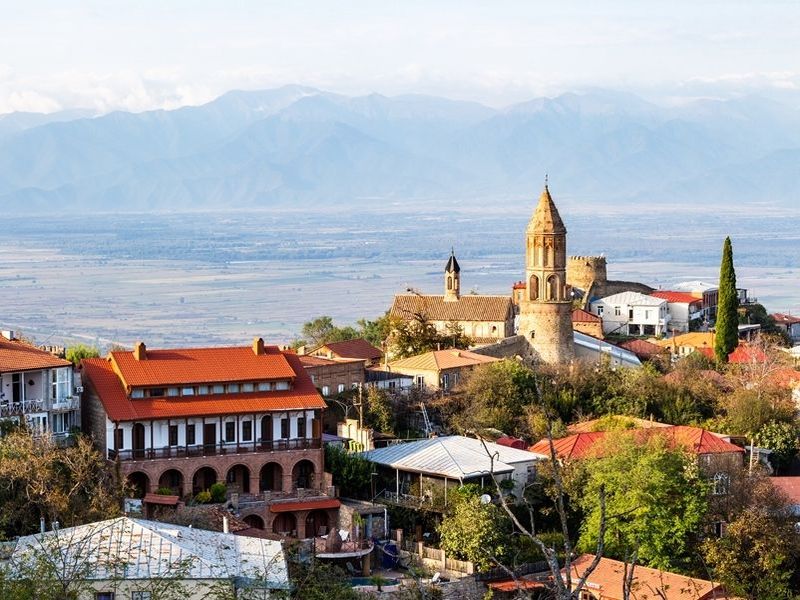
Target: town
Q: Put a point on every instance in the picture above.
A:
(577, 437)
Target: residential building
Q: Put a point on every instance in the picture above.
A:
(684, 344)
(484, 319)
(37, 388)
(421, 473)
(683, 309)
(186, 418)
(586, 322)
(707, 293)
(790, 324)
(632, 313)
(126, 558)
(357, 349)
(332, 377)
(440, 370)
(382, 377)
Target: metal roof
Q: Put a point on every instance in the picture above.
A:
(631, 299)
(601, 346)
(146, 549)
(454, 456)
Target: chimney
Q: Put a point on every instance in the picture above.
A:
(140, 351)
(225, 527)
(8, 334)
(258, 346)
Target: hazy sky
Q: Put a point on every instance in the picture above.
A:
(153, 54)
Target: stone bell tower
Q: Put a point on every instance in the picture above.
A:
(452, 279)
(546, 309)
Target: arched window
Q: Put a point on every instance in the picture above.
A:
(533, 288)
(722, 484)
(449, 283)
(553, 288)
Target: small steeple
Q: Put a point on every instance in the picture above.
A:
(545, 218)
(452, 278)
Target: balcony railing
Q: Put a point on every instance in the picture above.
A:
(215, 449)
(68, 403)
(11, 409)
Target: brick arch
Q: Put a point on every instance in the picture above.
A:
(304, 474)
(139, 481)
(167, 479)
(204, 482)
(270, 477)
(238, 478)
(255, 521)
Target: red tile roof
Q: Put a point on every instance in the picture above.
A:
(642, 348)
(587, 444)
(358, 348)
(789, 487)
(100, 375)
(201, 365)
(785, 319)
(676, 297)
(315, 361)
(583, 316)
(742, 354)
(161, 499)
(305, 505)
(16, 355)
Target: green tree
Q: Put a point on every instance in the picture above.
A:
(322, 331)
(726, 337)
(351, 473)
(418, 335)
(655, 501)
(375, 332)
(75, 354)
(320, 581)
(379, 414)
(475, 531)
(781, 438)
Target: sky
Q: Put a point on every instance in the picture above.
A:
(146, 54)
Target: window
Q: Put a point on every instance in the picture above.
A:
(325, 390)
(617, 311)
(420, 381)
(137, 393)
(60, 383)
(247, 430)
(219, 389)
(230, 431)
(233, 388)
(63, 422)
(647, 315)
(445, 381)
(263, 386)
(173, 435)
(203, 390)
(722, 484)
(340, 388)
(301, 427)
(247, 387)
(119, 439)
(156, 392)
(285, 428)
(140, 596)
(172, 391)
(104, 596)
(187, 391)
(190, 440)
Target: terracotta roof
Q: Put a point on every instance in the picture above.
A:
(438, 360)
(357, 348)
(545, 218)
(519, 285)
(693, 439)
(470, 307)
(305, 505)
(584, 316)
(742, 354)
(785, 319)
(202, 365)
(522, 583)
(642, 348)
(789, 487)
(161, 499)
(99, 374)
(16, 355)
(677, 297)
(606, 582)
(307, 360)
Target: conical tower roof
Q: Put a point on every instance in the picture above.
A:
(545, 218)
(452, 264)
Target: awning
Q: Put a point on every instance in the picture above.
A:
(159, 499)
(306, 505)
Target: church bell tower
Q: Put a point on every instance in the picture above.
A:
(546, 309)
(452, 279)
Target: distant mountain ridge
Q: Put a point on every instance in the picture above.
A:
(302, 147)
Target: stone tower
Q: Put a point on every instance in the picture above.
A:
(546, 309)
(452, 279)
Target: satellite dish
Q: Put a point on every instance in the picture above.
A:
(485, 499)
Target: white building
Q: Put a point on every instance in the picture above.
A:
(683, 308)
(632, 313)
(37, 387)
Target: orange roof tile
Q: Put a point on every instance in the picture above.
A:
(357, 348)
(201, 365)
(642, 348)
(742, 354)
(16, 355)
(584, 316)
(788, 486)
(785, 319)
(606, 581)
(572, 446)
(676, 297)
(99, 374)
(305, 505)
(438, 360)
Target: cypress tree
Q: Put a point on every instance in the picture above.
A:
(727, 326)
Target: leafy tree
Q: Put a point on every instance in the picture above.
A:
(351, 473)
(418, 335)
(726, 337)
(318, 580)
(747, 411)
(322, 330)
(782, 439)
(475, 531)
(655, 498)
(375, 332)
(75, 354)
(379, 414)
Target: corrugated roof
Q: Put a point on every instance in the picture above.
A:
(470, 307)
(16, 355)
(454, 456)
(151, 549)
(438, 360)
(594, 344)
(357, 348)
(676, 297)
(631, 299)
(99, 374)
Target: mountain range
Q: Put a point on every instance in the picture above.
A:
(305, 148)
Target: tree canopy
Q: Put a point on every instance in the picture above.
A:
(75, 354)
(726, 337)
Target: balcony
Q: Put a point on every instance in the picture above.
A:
(222, 449)
(68, 403)
(14, 409)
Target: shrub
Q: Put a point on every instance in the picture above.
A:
(165, 491)
(203, 497)
(219, 492)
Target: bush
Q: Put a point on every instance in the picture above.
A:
(165, 491)
(219, 492)
(203, 497)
